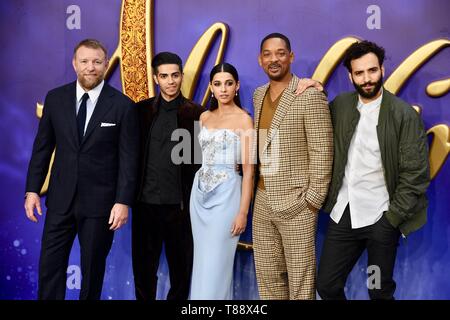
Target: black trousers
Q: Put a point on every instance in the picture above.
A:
(342, 248)
(95, 243)
(153, 225)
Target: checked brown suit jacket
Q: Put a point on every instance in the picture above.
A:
(298, 150)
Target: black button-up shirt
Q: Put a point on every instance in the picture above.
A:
(162, 178)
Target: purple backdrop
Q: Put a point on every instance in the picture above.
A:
(37, 57)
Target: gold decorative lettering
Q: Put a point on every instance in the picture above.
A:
(438, 88)
(135, 50)
(331, 59)
(196, 59)
(440, 147)
(411, 64)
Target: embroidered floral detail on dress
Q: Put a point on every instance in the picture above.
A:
(213, 144)
(220, 149)
(210, 178)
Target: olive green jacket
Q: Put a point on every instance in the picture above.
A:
(404, 155)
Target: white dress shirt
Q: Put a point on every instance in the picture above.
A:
(91, 102)
(363, 186)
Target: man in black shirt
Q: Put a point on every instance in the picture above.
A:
(161, 213)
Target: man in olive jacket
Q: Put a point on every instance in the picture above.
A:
(380, 176)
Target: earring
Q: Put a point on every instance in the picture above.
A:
(212, 94)
(236, 93)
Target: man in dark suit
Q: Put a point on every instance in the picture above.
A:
(161, 213)
(94, 129)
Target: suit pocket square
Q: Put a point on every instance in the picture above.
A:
(107, 124)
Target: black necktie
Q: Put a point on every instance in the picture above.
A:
(81, 116)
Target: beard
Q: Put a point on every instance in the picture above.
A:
(91, 82)
(369, 94)
(276, 77)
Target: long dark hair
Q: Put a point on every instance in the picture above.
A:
(224, 67)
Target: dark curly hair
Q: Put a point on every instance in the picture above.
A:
(358, 49)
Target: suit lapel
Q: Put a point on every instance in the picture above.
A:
(103, 105)
(259, 97)
(70, 110)
(284, 105)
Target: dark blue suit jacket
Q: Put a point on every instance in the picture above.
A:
(100, 170)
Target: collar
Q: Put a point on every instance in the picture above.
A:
(372, 105)
(93, 93)
(170, 105)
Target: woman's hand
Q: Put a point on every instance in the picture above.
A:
(239, 224)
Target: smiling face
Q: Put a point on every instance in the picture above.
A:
(276, 59)
(224, 87)
(367, 76)
(168, 78)
(90, 66)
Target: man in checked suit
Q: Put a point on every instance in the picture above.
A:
(94, 129)
(295, 155)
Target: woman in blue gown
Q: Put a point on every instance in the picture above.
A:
(220, 196)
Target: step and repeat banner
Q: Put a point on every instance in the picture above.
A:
(38, 38)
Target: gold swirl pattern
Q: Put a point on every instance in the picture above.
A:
(136, 49)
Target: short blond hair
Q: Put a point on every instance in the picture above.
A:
(91, 43)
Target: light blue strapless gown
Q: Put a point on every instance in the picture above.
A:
(215, 200)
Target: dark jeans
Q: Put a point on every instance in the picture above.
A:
(151, 226)
(342, 248)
